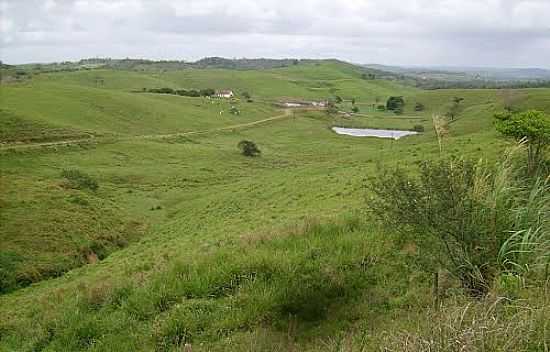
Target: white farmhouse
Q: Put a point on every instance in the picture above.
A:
(224, 94)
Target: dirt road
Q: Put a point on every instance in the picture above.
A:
(7, 146)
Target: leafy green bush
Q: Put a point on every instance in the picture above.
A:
(395, 104)
(79, 180)
(458, 212)
(248, 148)
(418, 128)
(532, 127)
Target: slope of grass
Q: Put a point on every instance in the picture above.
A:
(271, 252)
(107, 112)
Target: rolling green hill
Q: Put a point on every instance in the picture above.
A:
(186, 241)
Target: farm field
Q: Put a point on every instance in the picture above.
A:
(183, 240)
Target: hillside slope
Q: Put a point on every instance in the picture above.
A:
(186, 241)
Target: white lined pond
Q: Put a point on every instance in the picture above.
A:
(369, 132)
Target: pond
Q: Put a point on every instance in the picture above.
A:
(369, 132)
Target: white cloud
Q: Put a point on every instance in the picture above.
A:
(454, 32)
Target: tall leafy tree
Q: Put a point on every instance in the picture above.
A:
(531, 127)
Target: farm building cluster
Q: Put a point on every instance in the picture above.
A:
(303, 104)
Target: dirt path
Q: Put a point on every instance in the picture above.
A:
(287, 113)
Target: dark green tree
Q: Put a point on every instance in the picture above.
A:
(248, 148)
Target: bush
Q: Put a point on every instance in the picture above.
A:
(381, 108)
(79, 180)
(460, 214)
(395, 104)
(419, 107)
(355, 109)
(418, 128)
(248, 148)
(208, 92)
(532, 127)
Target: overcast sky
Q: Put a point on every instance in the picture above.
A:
(404, 32)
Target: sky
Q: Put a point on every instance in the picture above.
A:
(498, 33)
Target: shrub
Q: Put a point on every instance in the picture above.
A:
(79, 180)
(419, 107)
(248, 148)
(381, 107)
(355, 109)
(533, 127)
(208, 92)
(331, 108)
(418, 128)
(460, 213)
(395, 104)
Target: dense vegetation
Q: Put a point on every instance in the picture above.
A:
(135, 223)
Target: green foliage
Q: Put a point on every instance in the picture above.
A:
(248, 148)
(355, 109)
(419, 107)
(532, 127)
(331, 108)
(80, 180)
(458, 211)
(395, 104)
(418, 128)
(338, 99)
(455, 108)
(246, 96)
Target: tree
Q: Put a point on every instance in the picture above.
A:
(331, 108)
(457, 100)
(355, 109)
(395, 104)
(532, 127)
(248, 148)
(338, 99)
(208, 92)
(352, 101)
(247, 96)
(455, 107)
(459, 214)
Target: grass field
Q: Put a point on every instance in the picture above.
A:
(186, 240)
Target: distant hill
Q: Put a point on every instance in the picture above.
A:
(468, 73)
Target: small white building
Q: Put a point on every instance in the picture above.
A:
(224, 94)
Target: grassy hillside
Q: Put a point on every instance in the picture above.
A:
(188, 241)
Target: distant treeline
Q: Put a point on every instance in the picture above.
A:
(209, 62)
(208, 92)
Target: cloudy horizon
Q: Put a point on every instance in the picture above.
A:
(481, 33)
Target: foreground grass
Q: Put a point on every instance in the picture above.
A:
(307, 279)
